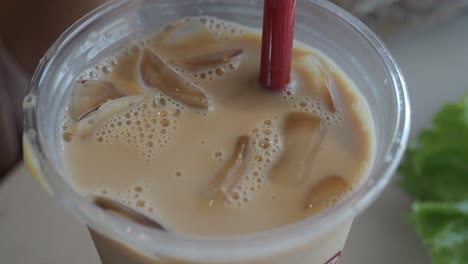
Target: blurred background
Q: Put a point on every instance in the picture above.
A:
(28, 28)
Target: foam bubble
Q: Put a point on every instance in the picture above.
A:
(147, 129)
(316, 106)
(103, 67)
(265, 148)
(141, 203)
(221, 30)
(132, 196)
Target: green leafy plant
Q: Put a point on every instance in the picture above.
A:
(435, 173)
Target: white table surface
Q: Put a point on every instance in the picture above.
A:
(35, 230)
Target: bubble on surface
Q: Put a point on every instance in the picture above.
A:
(263, 150)
(144, 127)
(316, 106)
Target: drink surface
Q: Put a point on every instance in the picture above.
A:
(177, 127)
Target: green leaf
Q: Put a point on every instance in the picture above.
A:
(444, 229)
(436, 165)
(435, 173)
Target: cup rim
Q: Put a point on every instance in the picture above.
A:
(242, 246)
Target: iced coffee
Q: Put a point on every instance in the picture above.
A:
(175, 132)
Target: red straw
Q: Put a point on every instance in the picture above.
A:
(277, 42)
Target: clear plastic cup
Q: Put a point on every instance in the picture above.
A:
(320, 24)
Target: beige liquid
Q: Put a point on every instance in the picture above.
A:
(162, 157)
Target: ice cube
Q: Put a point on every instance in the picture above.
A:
(208, 60)
(155, 73)
(329, 90)
(185, 34)
(316, 72)
(302, 135)
(230, 174)
(121, 210)
(106, 111)
(88, 96)
(322, 192)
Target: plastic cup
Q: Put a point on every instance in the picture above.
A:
(320, 24)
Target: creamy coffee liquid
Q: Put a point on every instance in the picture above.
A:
(178, 128)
